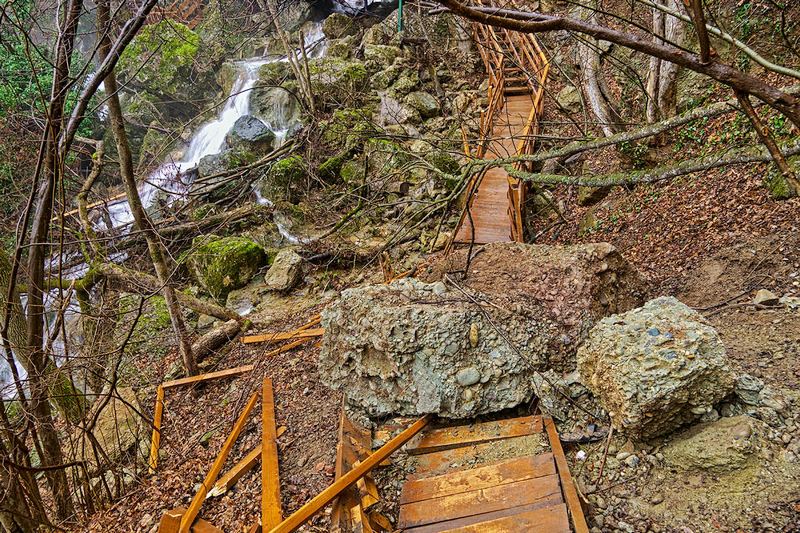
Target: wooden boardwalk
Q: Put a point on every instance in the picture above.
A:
(517, 72)
(498, 477)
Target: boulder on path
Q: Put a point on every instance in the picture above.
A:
(655, 368)
(568, 287)
(412, 347)
(285, 272)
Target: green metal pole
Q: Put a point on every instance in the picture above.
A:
(400, 16)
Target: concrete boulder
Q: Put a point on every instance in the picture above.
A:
(655, 368)
(421, 346)
(412, 348)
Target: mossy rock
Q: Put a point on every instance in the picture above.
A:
(338, 25)
(275, 73)
(386, 77)
(425, 103)
(382, 55)
(283, 179)
(777, 184)
(338, 82)
(347, 128)
(406, 82)
(342, 48)
(223, 264)
(330, 169)
(443, 161)
(352, 171)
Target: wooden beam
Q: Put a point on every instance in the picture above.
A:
(211, 477)
(457, 436)
(155, 441)
(271, 514)
(349, 479)
(287, 347)
(205, 377)
(171, 522)
(239, 470)
(295, 334)
(567, 486)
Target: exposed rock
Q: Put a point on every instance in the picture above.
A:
(221, 265)
(748, 389)
(283, 180)
(655, 368)
(335, 82)
(285, 272)
(382, 55)
(722, 446)
(567, 287)
(393, 112)
(424, 348)
(119, 427)
(276, 106)
(411, 352)
(591, 195)
(338, 25)
(765, 297)
(425, 103)
(569, 98)
(249, 133)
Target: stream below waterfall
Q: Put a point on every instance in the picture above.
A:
(169, 184)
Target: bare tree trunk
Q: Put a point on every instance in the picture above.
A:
(662, 77)
(593, 85)
(38, 248)
(141, 219)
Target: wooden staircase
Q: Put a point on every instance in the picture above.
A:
(517, 71)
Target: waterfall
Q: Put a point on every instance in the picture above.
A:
(209, 140)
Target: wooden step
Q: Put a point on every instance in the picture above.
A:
(495, 498)
(434, 440)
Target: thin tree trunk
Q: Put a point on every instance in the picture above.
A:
(50, 444)
(141, 219)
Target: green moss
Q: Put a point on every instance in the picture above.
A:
(347, 128)
(160, 55)
(443, 162)
(352, 171)
(224, 264)
(338, 82)
(331, 168)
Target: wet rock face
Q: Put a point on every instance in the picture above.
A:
(655, 368)
(410, 348)
(250, 133)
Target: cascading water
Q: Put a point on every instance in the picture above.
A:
(209, 140)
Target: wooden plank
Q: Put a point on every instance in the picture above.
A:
(349, 449)
(205, 377)
(552, 519)
(236, 473)
(211, 477)
(548, 501)
(477, 501)
(367, 490)
(271, 514)
(295, 334)
(287, 347)
(360, 521)
(568, 487)
(482, 477)
(429, 462)
(171, 522)
(155, 441)
(457, 436)
(349, 479)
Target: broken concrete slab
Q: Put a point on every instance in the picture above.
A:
(655, 368)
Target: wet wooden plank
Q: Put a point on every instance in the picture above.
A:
(353, 445)
(213, 473)
(552, 519)
(287, 347)
(271, 514)
(548, 501)
(155, 441)
(452, 437)
(286, 335)
(482, 477)
(477, 501)
(570, 494)
(206, 377)
(349, 479)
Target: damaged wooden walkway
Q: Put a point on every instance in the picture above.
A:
(503, 476)
(517, 71)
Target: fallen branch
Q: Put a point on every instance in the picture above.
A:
(733, 157)
(217, 337)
